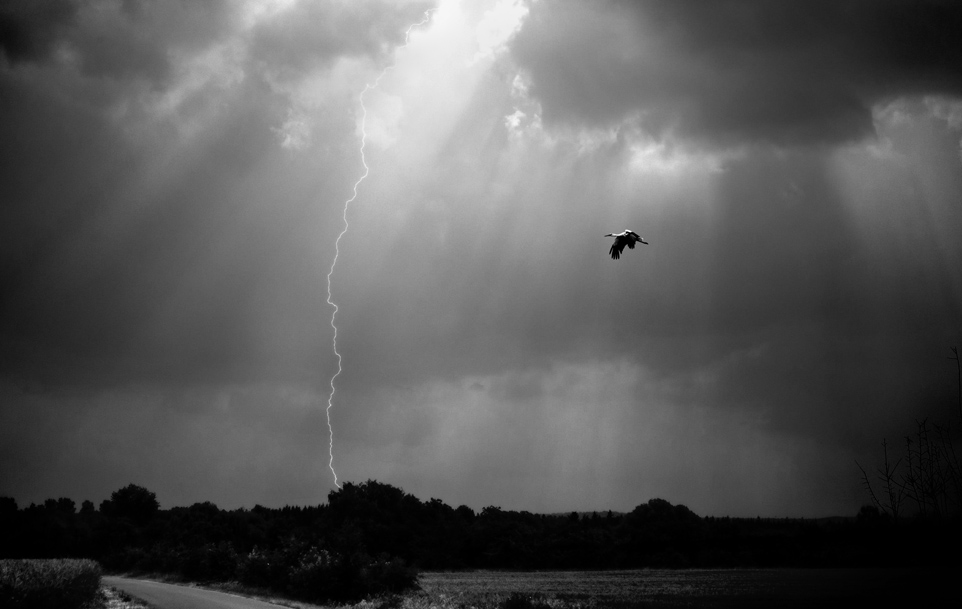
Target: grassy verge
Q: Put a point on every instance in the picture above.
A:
(118, 599)
(49, 584)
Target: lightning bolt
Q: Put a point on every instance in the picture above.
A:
(337, 242)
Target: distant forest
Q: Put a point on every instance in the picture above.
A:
(377, 533)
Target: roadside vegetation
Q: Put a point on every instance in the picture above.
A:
(49, 584)
(113, 598)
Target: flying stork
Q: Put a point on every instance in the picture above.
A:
(629, 238)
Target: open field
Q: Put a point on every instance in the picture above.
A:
(686, 588)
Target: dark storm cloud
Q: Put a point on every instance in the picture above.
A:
(160, 253)
(138, 39)
(729, 72)
(111, 39)
(162, 256)
(134, 245)
(232, 445)
(29, 30)
(316, 32)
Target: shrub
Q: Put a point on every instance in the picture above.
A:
(312, 573)
(210, 562)
(48, 584)
(313, 576)
(517, 600)
(388, 575)
(255, 569)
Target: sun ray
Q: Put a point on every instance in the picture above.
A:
(337, 242)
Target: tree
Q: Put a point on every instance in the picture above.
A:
(893, 489)
(928, 475)
(133, 502)
(8, 506)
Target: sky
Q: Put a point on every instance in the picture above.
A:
(174, 180)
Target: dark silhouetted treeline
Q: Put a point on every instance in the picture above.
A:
(370, 537)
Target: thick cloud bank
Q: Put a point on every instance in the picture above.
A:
(174, 177)
(727, 73)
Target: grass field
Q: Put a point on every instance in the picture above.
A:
(688, 588)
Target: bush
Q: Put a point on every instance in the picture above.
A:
(48, 584)
(313, 576)
(255, 569)
(210, 562)
(388, 575)
(517, 600)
